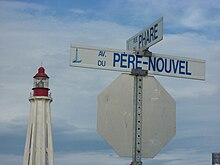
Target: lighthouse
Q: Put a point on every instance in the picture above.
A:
(39, 143)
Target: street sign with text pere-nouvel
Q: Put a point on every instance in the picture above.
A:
(125, 61)
(146, 37)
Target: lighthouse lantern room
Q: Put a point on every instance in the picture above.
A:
(41, 83)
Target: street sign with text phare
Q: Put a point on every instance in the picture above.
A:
(147, 37)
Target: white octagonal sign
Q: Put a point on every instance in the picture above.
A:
(115, 116)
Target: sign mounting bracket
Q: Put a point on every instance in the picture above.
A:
(144, 53)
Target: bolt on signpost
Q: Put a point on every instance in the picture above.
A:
(135, 114)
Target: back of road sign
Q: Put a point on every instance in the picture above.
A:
(115, 116)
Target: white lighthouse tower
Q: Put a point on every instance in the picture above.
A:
(39, 143)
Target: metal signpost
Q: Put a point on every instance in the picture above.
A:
(141, 42)
(153, 120)
(137, 120)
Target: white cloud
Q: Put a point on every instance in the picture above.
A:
(19, 10)
(78, 11)
(18, 5)
(196, 90)
(202, 15)
(15, 126)
(194, 19)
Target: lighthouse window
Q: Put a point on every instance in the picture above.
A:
(41, 82)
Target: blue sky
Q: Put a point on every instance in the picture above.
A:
(36, 31)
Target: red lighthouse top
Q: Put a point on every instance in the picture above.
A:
(41, 73)
(41, 83)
